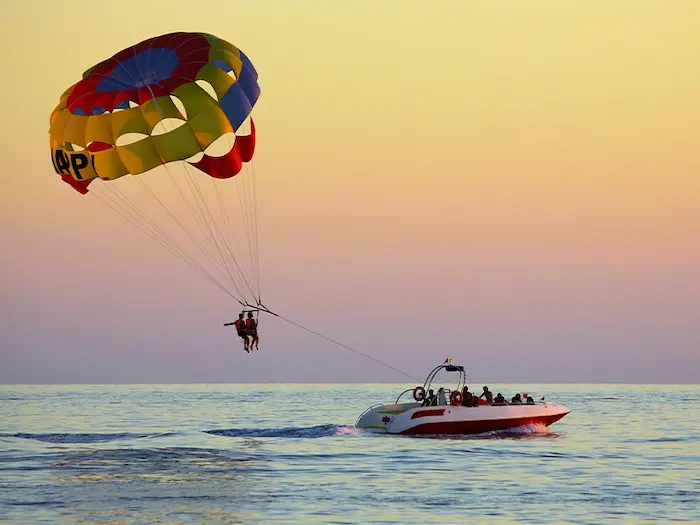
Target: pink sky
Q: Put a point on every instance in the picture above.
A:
(513, 186)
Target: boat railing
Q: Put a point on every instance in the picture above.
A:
(404, 392)
(368, 409)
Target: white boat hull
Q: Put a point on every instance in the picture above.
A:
(411, 418)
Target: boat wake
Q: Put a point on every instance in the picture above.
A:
(84, 437)
(320, 431)
(537, 428)
(316, 431)
(525, 431)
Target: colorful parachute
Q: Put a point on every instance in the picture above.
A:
(178, 100)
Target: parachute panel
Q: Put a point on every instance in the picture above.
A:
(158, 109)
(140, 156)
(179, 144)
(99, 129)
(109, 165)
(217, 77)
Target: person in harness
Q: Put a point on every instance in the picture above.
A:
(240, 325)
(251, 328)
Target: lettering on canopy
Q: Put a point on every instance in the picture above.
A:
(78, 164)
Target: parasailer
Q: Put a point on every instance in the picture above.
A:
(251, 327)
(166, 128)
(241, 330)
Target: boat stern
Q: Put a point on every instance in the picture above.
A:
(377, 418)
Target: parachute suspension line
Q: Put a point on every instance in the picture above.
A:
(113, 202)
(108, 201)
(192, 179)
(126, 202)
(211, 235)
(211, 257)
(202, 206)
(181, 251)
(229, 229)
(201, 220)
(244, 216)
(212, 232)
(255, 231)
(208, 255)
(227, 220)
(189, 207)
(218, 237)
(250, 225)
(263, 309)
(244, 202)
(150, 191)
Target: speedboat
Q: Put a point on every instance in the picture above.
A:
(445, 413)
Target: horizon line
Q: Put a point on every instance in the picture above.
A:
(614, 383)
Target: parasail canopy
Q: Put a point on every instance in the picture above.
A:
(162, 133)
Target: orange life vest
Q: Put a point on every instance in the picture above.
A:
(240, 324)
(250, 323)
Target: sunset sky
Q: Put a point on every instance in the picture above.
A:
(512, 184)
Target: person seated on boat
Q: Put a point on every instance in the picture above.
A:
(487, 395)
(466, 397)
(442, 400)
(499, 399)
(430, 399)
(251, 328)
(530, 401)
(516, 400)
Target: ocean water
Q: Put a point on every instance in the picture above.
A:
(222, 454)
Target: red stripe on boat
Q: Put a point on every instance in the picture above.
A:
(426, 413)
(480, 426)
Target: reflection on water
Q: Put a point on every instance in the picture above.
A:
(207, 454)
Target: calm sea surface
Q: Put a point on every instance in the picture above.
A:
(220, 454)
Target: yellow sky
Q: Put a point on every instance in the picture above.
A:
(489, 134)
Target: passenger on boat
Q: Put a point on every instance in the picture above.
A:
(487, 394)
(530, 401)
(430, 399)
(516, 400)
(442, 400)
(466, 397)
(499, 400)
